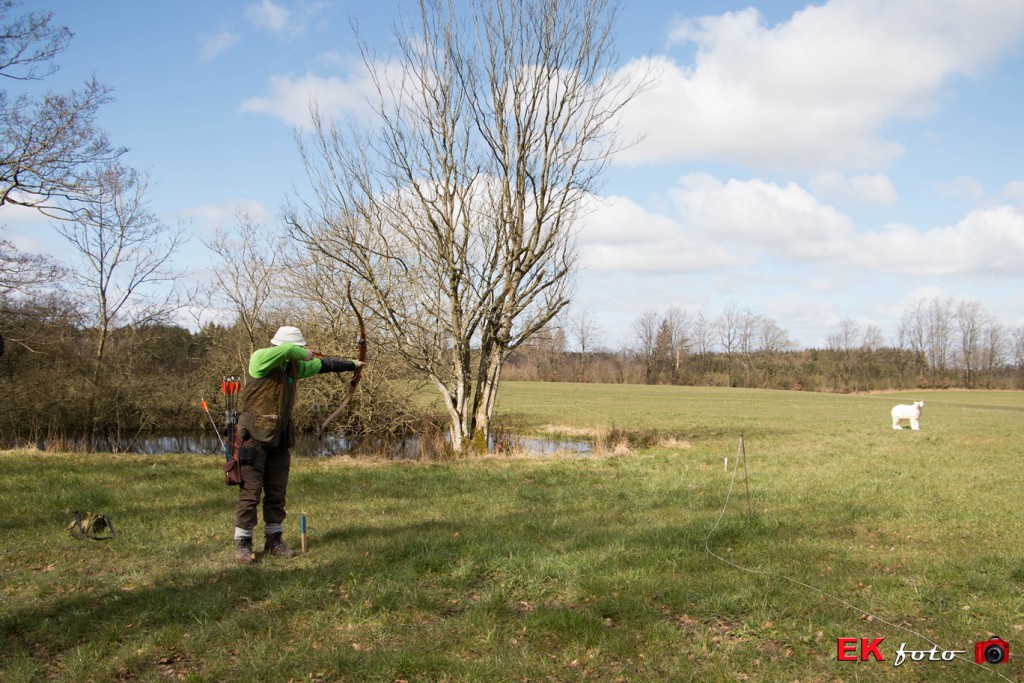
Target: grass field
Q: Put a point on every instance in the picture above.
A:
(546, 568)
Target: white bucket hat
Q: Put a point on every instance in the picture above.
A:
(288, 334)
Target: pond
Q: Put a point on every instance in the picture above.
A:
(332, 444)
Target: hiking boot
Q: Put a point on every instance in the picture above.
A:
(243, 551)
(275, 546)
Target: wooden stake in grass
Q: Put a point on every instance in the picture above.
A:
(302, 524)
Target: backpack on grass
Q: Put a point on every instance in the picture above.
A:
(92, 527)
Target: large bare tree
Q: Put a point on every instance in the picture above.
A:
(456, 208)
(49, 143)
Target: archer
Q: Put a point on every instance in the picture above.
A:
(267, 435)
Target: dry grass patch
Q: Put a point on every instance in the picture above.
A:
(674, 444)
(569, 431)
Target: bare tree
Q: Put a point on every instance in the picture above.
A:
(457, 210)
(914, 334)
(940, 336)
(675, 323)
(645, 328)
(22, 273)
(873, 340)
(28, 282)
(771, 337)
(244, 278)
(841, 345)
(727, 332)
(994, 350)
(971, 323)
(737, 332)
(1017, 344)
(701, 341)
(125, 252)
(47, 144)
(586, 332)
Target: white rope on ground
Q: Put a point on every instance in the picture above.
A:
(707, 546)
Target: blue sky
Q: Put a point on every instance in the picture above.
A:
(810, 162)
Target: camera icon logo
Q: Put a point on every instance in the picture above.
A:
(995, 650)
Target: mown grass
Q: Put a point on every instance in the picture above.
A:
(546, 568)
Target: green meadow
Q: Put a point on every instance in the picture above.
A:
(710, 534)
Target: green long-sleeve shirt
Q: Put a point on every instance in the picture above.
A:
(265, 360)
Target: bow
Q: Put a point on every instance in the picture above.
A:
(361, 345)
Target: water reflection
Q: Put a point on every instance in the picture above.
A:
(549, 447)
(307, 445)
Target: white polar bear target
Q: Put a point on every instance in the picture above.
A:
(907, 412)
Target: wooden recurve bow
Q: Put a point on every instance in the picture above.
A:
(361, 355)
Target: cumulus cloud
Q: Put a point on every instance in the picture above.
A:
(289, 98)
(875, 189)
(963, 187)
(786, 219)
(792, 225)
(815, 91)
(721, 225)
(210, 47)
(269, 15)
(986, 242)
(207, 217)
(26, 228)
(1015, 191)
(620, 235)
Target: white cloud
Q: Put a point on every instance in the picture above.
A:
(15, 213)
(747, 223)
(335, 59)
(987, 242)
(813, 92)
(29, 230)
(289, 98)
(620, 235)
(963, 187)
(1015, 191)
(207, 217)
(875, 189)
(210, 47)
(786, 219)
(269, 15)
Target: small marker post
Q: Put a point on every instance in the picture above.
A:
(303, 525)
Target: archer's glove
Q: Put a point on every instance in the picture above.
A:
(336, 365)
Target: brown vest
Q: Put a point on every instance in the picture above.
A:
(267, 406)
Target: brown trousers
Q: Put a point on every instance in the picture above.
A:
(267, 474)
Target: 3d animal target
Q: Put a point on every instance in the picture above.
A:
(910, 413)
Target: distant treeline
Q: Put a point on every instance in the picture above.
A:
(151, 379)
(808, 370)
(941, 343)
